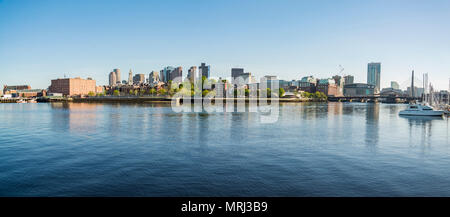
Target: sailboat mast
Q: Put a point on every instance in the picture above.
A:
(412, 85)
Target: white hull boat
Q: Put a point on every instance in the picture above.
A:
(421, 110)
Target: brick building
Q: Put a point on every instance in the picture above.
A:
(73, 86)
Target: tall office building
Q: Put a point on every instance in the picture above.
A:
(130, 78)
(175, 73)
(349, 79)
(236, 72)
(373, 75)
(192, 74)
(395, 85)
(117, 72)
(165, 74)
(153, 77)
(112, 79)
(139, 79)
(204, 70)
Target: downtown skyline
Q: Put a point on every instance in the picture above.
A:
(43, 40)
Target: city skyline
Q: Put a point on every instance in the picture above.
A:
(277, 38)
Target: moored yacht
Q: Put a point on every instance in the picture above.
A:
(421, 110)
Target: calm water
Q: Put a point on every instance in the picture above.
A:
(335, 149)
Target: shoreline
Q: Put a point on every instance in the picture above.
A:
(151, 99)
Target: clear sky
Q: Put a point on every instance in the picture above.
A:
(42, 40)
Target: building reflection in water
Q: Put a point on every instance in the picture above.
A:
(372, 125)
(76, 117)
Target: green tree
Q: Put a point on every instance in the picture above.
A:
(116, 93)
(131, 92)
(281, 92)
(91, 93)
(269, 93)
(142, 92)
(162, 92)
(205, 92)
(152, 91)
(247, 92)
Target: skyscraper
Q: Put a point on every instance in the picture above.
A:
(192, 74)
(349, 79)
(139, 79)
(204, 70)
(373, 75)
(153, 77)
(112, 79)
(130, 77)
(117, 72)
(175, 73)
(165, 74)
(236, 72)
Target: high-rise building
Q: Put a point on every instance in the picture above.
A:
(130, 78)
(117, 72)
(176, 73)
(193, 74)
(204, 70)
(153, 77)
(395, 85)
(165, 74)
(236, 72)
(349, 79)
(112, 79)
(373, 75)
(139, 79)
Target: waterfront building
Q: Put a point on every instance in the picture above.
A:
(139, 79)
(72, 86)
(359, 90)
(395, 85)
(204, 70)
(130, 78)
(328, 87)
(391, 92)
(29, 93)
(349, 79)
(308, 84)
(373, 75)
(117, 72)
(14, 88)
(112, 79)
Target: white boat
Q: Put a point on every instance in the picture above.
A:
(421, 110)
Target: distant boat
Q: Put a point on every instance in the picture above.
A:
(421, 110)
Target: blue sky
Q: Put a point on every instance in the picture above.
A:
(44, 39)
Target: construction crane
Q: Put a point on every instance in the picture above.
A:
(341, 69)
